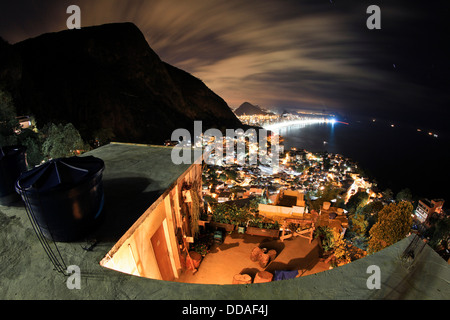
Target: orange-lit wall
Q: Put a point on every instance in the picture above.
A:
(134, 253)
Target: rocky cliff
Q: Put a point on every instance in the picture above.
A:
(108, 77)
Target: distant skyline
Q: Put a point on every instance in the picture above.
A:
(283, 55)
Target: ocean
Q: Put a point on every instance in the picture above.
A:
(397, 157)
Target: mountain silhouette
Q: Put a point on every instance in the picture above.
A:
(108, 77)
(249, 109)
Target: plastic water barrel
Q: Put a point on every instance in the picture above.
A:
(64, 196)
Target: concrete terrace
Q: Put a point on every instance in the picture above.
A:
(135, 176)
(233, 257)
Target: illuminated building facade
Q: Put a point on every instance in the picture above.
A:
(426, 207)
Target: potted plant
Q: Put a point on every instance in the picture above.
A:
(326, 239)
(240, 217)
(221, 217)
(259, 227)
(202, 244)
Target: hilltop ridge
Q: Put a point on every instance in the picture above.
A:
(108, 77)
(249, 109)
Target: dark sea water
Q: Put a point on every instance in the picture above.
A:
(396, 157)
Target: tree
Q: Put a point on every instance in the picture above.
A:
(388, 195)
(358, 199)
(404, 195)
(11, 132)
(341, 249)
(440, 232)
(394, 223)
(371, 211)
(361, 221)
(223, 177)
(62, 141)
(359, 224)
(9, 124)
(326, 194)
(32, 142)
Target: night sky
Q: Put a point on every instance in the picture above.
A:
(284, 55)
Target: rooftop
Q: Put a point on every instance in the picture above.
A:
(135, 176)
(287, 201)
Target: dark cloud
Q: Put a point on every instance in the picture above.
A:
(282, 54)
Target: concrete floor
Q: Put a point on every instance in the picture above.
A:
(232, 257)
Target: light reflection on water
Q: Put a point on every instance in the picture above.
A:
(398, 157)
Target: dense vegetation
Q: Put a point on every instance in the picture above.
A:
(49, 142)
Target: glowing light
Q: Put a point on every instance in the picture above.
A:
(277, 126)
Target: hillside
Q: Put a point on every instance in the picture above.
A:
(249, 109)
(108, 77)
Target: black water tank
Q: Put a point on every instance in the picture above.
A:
(12, 164)
(65, 196)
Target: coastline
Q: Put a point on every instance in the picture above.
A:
(392, 156)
